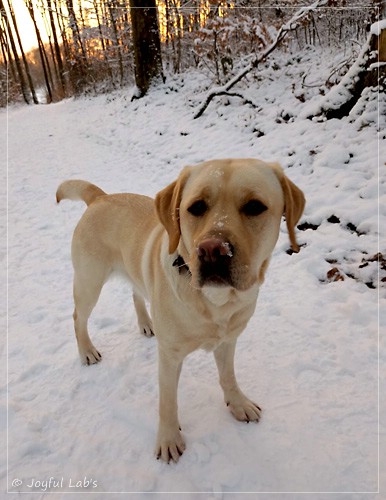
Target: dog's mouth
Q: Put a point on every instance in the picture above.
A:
(218, 274)
(215, 259)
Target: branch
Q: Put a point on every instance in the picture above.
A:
(241, 96)
(281, 34)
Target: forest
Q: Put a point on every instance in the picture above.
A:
(93, 45)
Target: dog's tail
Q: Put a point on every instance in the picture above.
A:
(78, 190)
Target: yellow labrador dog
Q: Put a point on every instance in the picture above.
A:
(198, 254)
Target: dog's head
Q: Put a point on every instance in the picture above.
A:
(224, 218)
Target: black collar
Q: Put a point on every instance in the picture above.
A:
(182, 266)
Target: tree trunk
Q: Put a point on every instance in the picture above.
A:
(42, 53)
(103, 42)
(58, 55)
(15, 54)
(62, 28)
(147, 44)
(112, 11)
(78, 70)
(3, 45)
(376, 70)
(6, 50)
(25, 62)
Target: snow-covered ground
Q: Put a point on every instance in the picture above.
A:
(309, 355)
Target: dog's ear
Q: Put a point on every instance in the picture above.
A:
(294, 204)
(167, 203)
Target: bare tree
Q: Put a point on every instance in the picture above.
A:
(113, 8)
(25, 62)
(61, 21)
(4, 47)
(58, 54)
(42, 52)
(97, 41)
(102, 40)
(18, 65)
(147, 44)
(78, 68)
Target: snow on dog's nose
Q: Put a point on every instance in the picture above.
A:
(213, 249)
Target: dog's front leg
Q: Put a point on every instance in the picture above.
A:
(241, 407)
(170, 443)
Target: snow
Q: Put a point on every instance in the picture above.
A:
(309, 355)
(377, 65)
(377, 27)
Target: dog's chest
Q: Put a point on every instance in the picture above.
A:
(214, 336)
(212, 316)
(222, 324)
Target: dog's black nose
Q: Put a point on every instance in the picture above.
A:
(212, 250)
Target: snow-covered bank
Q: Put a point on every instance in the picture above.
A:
(309, 355)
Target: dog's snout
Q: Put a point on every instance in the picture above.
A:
(213, 249)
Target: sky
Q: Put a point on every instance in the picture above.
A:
(26, 29)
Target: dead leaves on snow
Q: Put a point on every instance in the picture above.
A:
(348, 269)
(352, 266)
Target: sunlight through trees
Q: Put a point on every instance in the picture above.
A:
(95, 46)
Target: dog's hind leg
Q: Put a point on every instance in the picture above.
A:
(144, 321)
(88, 283)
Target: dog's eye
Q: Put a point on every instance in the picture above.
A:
(198, 208)
(253, 208)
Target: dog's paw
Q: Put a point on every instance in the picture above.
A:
(89, 355)
(244, 409)
(170, 446)
(146, 329)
